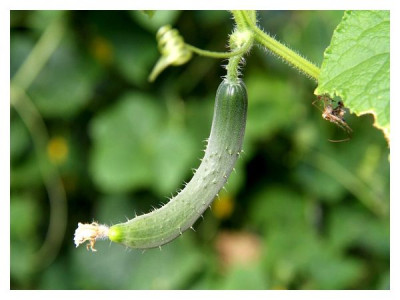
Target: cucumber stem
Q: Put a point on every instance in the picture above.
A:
(277, 48)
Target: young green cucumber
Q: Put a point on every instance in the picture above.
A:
(181, 212)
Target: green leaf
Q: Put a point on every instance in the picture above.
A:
(356, 65)
(26, 174)
(25, 215)
(133, 147)
(20, 46)
(175, 151)
(134, 62)
(328, 270)
(122, 138)
(19, 138)
(66, 84)
(277, 206)
(270, 108)
(171, 268)
(250, 277)
(351, 227)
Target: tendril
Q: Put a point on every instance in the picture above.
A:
(172, 48)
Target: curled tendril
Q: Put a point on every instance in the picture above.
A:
(172, 48)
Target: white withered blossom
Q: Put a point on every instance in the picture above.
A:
(90, 232)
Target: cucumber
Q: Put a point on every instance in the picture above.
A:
(181, 212)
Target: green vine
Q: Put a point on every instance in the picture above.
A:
(174, 50)
(24, 106)
(279, 49)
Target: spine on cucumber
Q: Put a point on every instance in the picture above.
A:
(181, 212)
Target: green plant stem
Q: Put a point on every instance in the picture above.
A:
(40, 54)
(233, 69)
(239, 19)
(278, 48)
(350, 181)
(213, 54)
(233, 64)
(51, 178)
(26, 74)
(239, 36)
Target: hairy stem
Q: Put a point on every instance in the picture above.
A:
(240, 20)
(214, 54)
(233, 68)
(279, 49)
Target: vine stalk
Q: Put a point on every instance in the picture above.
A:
(176, 52)
(246, 19)
(24, 106)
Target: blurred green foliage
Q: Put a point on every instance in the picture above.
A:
(307, 213)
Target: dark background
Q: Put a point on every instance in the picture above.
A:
(300, 212)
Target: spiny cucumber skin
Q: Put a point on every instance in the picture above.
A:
(181, 212)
